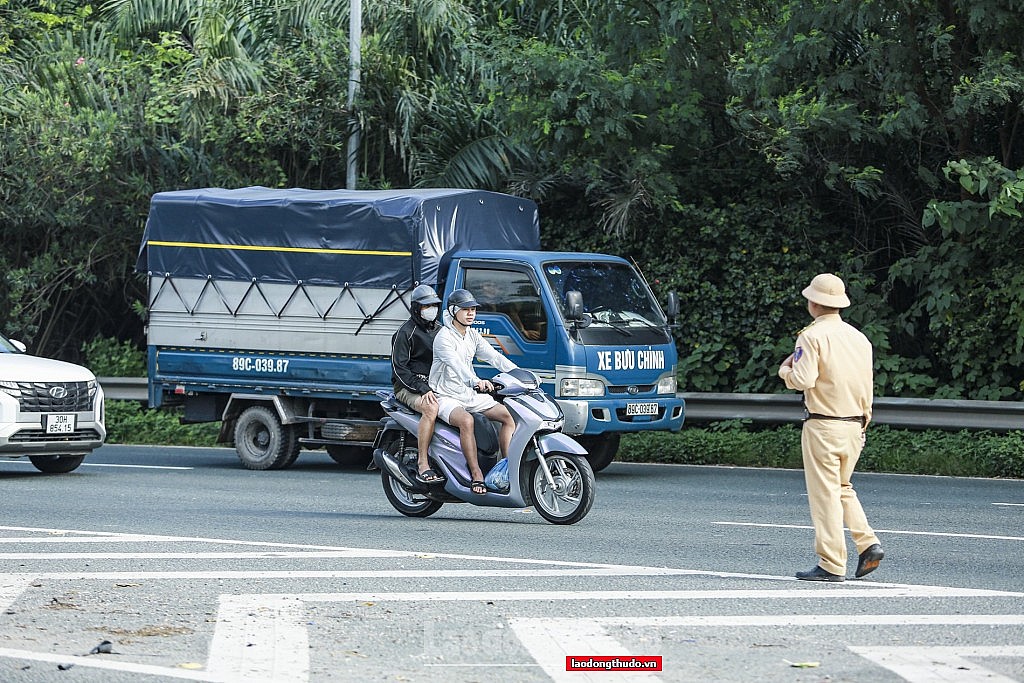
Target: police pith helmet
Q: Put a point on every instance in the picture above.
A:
(827, 290)
(461, 298)
(424, 295)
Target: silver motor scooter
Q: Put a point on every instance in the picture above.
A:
(546, 469)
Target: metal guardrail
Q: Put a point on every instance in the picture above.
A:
(913, 413)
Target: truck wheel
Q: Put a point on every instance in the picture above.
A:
(601, 449)
(350, 456)
(56, 464)
(262, 442)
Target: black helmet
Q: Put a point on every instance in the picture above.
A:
(424, 295)
(461, 298)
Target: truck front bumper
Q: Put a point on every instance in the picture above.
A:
(600, 416)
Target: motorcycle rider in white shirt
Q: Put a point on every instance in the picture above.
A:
(456, 385)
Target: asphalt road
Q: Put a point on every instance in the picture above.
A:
(194, 568)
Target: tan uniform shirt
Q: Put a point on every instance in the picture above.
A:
(832, 365)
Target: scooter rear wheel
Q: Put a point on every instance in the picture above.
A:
(572, 496)
(405, 501)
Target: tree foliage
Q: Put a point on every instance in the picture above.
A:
(733, 151)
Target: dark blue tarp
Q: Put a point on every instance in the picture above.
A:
(365, 238)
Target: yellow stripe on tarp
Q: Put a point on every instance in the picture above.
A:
(252, 247)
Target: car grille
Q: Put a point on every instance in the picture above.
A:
(39, 436)
(38, 397)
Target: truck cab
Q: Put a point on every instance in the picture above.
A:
(590, 327)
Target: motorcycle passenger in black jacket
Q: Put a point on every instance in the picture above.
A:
(412, 352)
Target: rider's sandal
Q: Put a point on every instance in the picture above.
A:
(478, 487)
(429, 476)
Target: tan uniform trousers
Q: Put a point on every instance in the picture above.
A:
(831, 449)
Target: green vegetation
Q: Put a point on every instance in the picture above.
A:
(733, 149)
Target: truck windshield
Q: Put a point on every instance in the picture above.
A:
(614, 294)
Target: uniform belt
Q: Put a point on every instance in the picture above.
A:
(818, 416)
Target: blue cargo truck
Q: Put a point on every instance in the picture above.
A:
(272, 311)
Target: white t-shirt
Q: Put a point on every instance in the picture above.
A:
(451, 373)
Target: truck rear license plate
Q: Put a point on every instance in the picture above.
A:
(60, 424)
(641, 409)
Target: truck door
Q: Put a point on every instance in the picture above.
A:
(512, 316)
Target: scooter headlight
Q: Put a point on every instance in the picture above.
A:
(552, 425)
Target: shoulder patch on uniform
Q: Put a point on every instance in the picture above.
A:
(798, 353)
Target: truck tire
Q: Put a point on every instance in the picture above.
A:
(350, 456)
(56, 464)
(262, 442)
(601, 449)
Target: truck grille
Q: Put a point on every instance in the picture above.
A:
(52, 397)
(39, 436)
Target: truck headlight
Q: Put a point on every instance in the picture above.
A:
(576, 386)
(667, 385)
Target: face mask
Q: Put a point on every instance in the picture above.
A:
(429, 314)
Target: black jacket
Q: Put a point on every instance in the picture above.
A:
(412, 352)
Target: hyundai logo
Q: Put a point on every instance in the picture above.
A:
(632, 389)
(58, 392)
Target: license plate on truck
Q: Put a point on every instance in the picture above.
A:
(641, 409)
(57, 423)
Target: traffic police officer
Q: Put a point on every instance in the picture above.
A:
(832, 366)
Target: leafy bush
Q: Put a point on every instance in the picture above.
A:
(108, 357)
(128, 422)
(962, 454)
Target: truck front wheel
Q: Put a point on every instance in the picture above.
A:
(601, 449)
(262, 442)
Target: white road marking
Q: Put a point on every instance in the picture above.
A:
(98, 663)
(550, 641)
(884, 531)
(105, 464)
(561, 596)
(1013, 505)
(260, 639)
(927, 664)
(821, 620)
(11, 587)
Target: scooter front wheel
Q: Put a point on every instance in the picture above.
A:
(572, 495)
(405, 501)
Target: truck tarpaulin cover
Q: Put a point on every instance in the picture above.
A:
(365, 238)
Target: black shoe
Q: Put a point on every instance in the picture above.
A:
(869, 560)
(819, 574)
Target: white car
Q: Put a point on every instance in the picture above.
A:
(50, 411)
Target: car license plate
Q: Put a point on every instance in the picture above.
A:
(60, 424)
(641, 409)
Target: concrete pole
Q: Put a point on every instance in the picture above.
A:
(355, 35)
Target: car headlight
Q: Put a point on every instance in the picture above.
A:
(667, 385)
(576, 386)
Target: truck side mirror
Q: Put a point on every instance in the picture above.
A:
(673, 306)
(574, 305)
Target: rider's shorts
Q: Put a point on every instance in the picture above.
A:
(407, 398)
(478, 404)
